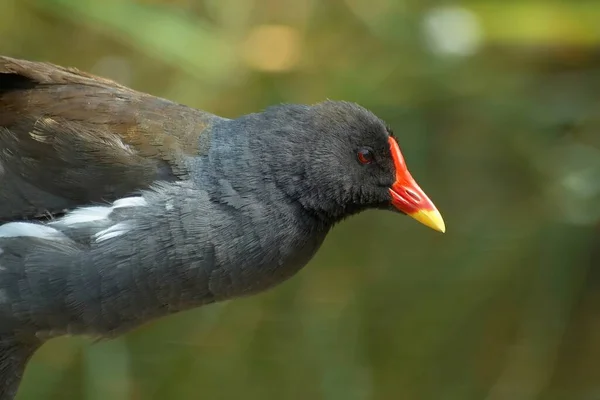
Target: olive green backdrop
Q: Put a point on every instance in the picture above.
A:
(497, 108)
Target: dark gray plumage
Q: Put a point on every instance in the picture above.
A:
(157, 208)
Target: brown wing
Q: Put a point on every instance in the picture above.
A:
(68, 138)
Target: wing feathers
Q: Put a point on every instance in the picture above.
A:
(68, 138)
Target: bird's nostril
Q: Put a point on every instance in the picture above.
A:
(413, 195)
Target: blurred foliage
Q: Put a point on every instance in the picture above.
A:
(496, 107)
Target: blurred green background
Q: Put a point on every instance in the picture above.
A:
(496, 106)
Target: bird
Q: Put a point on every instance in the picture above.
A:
(118, 207)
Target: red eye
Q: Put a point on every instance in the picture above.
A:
(365, 156)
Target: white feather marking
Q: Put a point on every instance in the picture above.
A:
(130, 202)
(112, 231)
(98, 213)
(85, 214)
(27, 229)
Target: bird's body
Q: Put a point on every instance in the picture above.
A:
(120, 207)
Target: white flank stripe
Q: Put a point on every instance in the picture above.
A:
(130, 202)
(97, 213)
(112, 232)
(84, 215)
(27, 229)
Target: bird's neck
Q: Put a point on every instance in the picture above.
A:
(260, 157)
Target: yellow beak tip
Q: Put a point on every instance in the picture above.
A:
(430, 218)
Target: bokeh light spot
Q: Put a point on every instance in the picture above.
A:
(273, 48)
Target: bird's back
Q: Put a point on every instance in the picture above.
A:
(68, 138)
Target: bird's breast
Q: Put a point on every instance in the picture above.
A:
(260, 244)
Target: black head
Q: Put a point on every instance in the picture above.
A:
(336, 159)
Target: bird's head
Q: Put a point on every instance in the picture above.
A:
(336, 159)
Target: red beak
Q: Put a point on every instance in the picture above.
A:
(408, 197)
